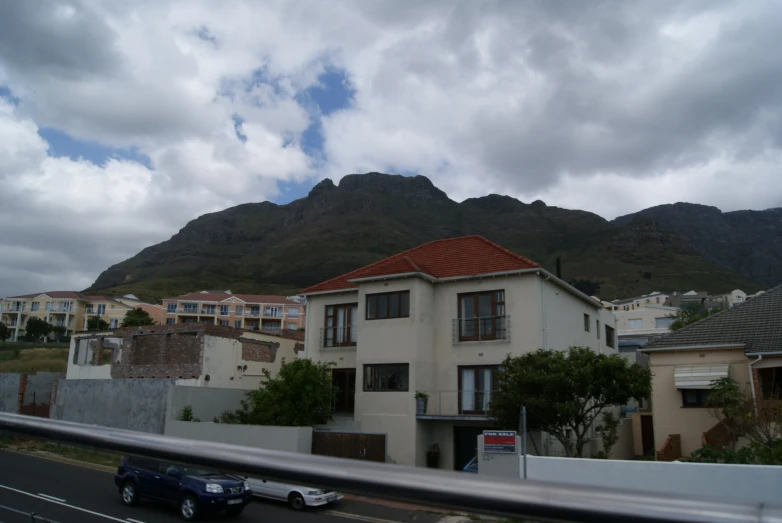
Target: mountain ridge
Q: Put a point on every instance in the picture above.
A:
(336, 228)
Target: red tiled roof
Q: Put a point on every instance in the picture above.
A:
(453, 257)
(221, 296)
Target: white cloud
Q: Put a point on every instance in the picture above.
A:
(608, 107)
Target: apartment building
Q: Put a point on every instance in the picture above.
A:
(68, 309)
(242, 311)
(652, 320)
(439, 319)
(637, 302)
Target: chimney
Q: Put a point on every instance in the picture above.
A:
(559, 267)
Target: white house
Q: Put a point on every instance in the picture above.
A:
(439, 319)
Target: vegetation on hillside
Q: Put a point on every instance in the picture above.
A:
(31, 361)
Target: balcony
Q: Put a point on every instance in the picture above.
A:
(208, 312)
(464, 405)
(272, 313)
(13, 310)
(481, 329)
(332, 337)
(253, 313)
(189, 310)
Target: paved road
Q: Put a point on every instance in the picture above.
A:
(73, 494)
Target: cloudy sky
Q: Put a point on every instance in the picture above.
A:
(122, 121)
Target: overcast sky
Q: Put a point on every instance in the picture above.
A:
(122, 121)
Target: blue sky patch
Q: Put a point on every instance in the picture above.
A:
(61, 144)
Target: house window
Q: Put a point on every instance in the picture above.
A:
(482, 316)
(597, 328)
(102, 309)
(48, 306)
(663, 323)
(293, 326)
(636, 323)
(171, 308)
(610, 336)
(273, 312)
(695, 397)
(224, 309)
(208, 309)
(340, 329)
(224, 323)
(586, 322)
(293, 312)
(476, 385)
(770, 383)
(386, 377)
(238, 324)
(114, 323)
(240, 310)
(191, 308)
(388, 305)
(170, 321)
(255, 311)
(34, 306)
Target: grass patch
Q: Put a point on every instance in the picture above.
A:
(14, 345)
(83, 454)
(31, 361)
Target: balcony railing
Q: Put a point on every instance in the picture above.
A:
(13, 309)
(188, 310)
(253, 313)
(480, 329)
(344, 336)
(272, 313)
(461, 404)
(457, 491)
(208, 312)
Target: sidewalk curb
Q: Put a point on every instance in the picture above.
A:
(59, 459)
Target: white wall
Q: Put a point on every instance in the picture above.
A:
(757, 483)
(647, 315)
(88, 372)
(290, 439)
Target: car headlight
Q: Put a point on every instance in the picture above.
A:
(315, 493)
(246, 486)
(214, 488)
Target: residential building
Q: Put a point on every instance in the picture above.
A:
(155, 311)
(197, 354)
(68, 309)
(649, 321)
(242, 311)
(440, 319)
(635, 303)
(743, 343)
(706, 300)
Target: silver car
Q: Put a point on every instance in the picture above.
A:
(297, 496)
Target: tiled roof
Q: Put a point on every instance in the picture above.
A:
(222, 296)
(756, 323)
(454, 257)
(53, 294)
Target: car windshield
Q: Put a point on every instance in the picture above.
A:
(190, 471)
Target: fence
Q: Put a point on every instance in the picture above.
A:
(749, 483)
(456, 491)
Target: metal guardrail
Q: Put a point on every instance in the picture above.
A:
(32, 516)
(527, 499)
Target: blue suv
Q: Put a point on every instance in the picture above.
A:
(193, 489)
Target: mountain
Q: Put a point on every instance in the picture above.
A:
(748, 242)
(269, 248)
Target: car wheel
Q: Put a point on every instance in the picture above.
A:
(188, 508)
(296, 501)
(235, 512)
(129, 493)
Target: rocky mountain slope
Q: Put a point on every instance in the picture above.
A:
(264, 247)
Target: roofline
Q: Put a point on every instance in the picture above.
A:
(718, 346)
(768, 353)
(565, 285)
(338, 291)
(420, 274)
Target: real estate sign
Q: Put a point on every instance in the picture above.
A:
(499, 441)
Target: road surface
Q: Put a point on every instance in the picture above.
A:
(72, 494)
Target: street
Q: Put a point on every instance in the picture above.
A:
(72, 494)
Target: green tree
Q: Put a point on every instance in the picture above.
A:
(761, 424)
(137, 318)
(689, 313)
(37, 329)
(565, 391)
(300, 394)
(5, 332)
(95, 323)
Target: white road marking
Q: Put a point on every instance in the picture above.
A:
(357, 517)
(47, 496)
(134, 520)
(112, 518)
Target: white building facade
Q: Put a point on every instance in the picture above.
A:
(394, 329)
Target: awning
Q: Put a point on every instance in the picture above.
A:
(699, 376)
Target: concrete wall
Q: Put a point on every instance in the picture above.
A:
(9, 392)
(758, 483)
(290, 439)
(206, 403)
(124, 404)
(647, 315)
(39, 387)
(670, 417)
